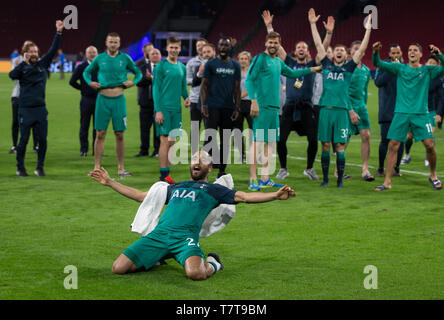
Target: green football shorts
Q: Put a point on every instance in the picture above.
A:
(266, 125)
(402, 123)
(172, 124)
(364, 121)
(158, 244)
(110, 108)
(334, 125)
(432, 117)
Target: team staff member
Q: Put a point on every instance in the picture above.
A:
(193, 65)
(386, 83)
(220, 96)
(145, 99)
(32, 76)
(88, 100)
(112, 66)
(15, 105)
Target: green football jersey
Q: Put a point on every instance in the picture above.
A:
(169, 85)
(412, 84)
(190, 202)
(263, 79)
(358, 90)
(336, 82)
(112, 71)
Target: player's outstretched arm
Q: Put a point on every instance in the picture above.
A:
(312, 18)
(283, 193)
(357, 57)
(102, 176)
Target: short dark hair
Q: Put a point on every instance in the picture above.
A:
(394, 45)
(27, 46)
(209, 45)
(113, 35)
(273, 35)
(355, 43)
(416, 44)
(434, 58)
(202, 39)
(173, 39)
(340, 45)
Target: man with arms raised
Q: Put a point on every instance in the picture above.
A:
(177, 233)
(112, 67)
(336, 111)
(411, 111)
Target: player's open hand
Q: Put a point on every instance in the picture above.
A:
(285, 193)
(377, 46)
(234, 115)
(312, 17)
(354, 117)
(101, 176)
(267, 17)
(330, 24)
(187, 102)
(368, 24)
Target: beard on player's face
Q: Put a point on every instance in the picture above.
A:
(199, 172)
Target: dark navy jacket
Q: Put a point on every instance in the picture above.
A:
(32, 78)
(84, 88)
(436, 96)
(386, 83)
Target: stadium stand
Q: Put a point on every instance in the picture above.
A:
(294, 26)
(236, 20)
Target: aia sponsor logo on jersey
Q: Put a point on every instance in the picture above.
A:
(184, 194)
(335, 76)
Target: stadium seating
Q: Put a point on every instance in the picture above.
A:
(294, 26)
(132, 23)
(236, 20)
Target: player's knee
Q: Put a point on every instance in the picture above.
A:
(118, 268)
(196, 275)
(100, 135)
(119, 135)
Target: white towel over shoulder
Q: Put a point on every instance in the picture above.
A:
(148, 214)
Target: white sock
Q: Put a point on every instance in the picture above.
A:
(216, 265)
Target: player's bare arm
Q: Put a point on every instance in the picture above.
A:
(357, 57)
(313, 19)
(267, 17)
(283, 193)
(102, 176)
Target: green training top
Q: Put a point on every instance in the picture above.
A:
(112, 71)
(263, 79)
(190, 202)
(336, 82)
(169, 84)
(358, 90)
(412, 84)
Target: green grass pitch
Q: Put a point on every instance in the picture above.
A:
(314, 246)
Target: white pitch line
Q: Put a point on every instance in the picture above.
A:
(371, 167)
